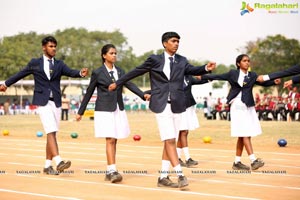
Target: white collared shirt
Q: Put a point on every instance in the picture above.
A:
(114, 70)
(167, 69)
(46, 66)
(241, 81)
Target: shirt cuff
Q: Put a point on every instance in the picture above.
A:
(81, 74)
(206, 68)
(266, 77)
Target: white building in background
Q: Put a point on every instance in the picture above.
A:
(201, 91)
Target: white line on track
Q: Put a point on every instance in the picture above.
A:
(185, 192)
(37, 194)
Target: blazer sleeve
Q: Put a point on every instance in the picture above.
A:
(89, 92)
(195, 81)
(212, 77)
(296, 79)
(266, 83)
(70, 72)
(23, 73)
(140, 70)
(133, 88)
(198, 70)
(294, 70)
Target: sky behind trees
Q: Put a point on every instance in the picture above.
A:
(210, 30)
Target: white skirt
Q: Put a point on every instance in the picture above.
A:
(111, 124)
(189, 119)
(244, 120)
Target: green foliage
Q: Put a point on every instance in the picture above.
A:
(274, 53)
(15, 52)
(76, 47)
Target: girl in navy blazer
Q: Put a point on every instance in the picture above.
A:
(244, 120)
(110, 120)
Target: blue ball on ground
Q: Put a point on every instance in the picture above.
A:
(282, 142)
(39, 134)
(74, 135)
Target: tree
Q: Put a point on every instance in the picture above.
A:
(15, 52)
(76, 47)
(272, 54)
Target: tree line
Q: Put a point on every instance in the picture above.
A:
(82, 48)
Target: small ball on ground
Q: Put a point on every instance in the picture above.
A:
(137, 137)
(39, 134)
(207, 139)
(282, 142)
(5, 132)
(74, 135)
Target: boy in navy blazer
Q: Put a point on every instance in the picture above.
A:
(47, 73)
(167, 72)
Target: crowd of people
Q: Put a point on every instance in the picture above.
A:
(268, 107)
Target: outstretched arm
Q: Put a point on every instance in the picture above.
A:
(294, 70)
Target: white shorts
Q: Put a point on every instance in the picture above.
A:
(50, 116)
(168, 123)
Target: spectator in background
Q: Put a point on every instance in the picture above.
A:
(65, 106)
(6, 107)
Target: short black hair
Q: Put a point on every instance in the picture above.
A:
(49, 39)
(167, 35)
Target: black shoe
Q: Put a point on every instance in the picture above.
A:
(50, 171)
(182, 164)
(240, 166)
(63, 165)
(190, 162)
(113, 177)
(257, 164)
(166, 182)
(182, 181)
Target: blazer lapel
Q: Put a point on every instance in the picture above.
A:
(162, 62)
(105, 72)
(55, 68)
(119, 72)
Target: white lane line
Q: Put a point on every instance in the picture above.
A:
(153, 175)
(185, 192)
(128, 146)
(38, 194)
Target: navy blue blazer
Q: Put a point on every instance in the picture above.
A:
(296, 79)
(161, 86)
(232, 77)
(294, 70)
(42, 85)
(189, 98)
(106, 100)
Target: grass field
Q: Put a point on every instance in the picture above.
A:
(22, 152)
